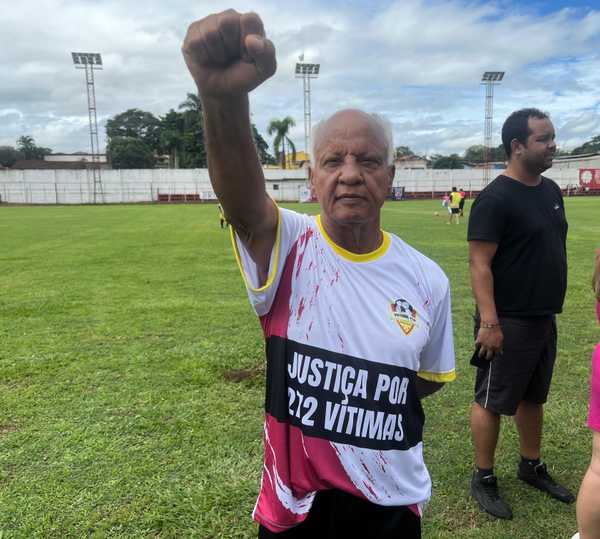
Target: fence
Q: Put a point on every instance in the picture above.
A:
(148, 185)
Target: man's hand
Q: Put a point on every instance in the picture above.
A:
(489, 342)
(228, 54)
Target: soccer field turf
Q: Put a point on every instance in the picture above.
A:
(131, 378)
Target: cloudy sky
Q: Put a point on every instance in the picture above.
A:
(417, 61)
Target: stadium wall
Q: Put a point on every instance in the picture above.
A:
(150, 185)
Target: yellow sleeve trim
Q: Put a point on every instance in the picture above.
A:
(355, 257)
(273, 272)
(437, 376)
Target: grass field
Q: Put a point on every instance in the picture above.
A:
(131, 387)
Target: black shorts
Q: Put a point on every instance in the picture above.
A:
(338, 515)
(455, 210)
(523, 372)
(461, 204)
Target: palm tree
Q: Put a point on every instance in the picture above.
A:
(192, 109)
(192, 103)
(281, 129)
(171, 136)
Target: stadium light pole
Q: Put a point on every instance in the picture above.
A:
(489, 79)
(91, 61)
(306, 72)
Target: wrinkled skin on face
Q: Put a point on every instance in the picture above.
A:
(350, 177)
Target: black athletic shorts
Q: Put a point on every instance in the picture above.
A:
(523, 371)
(461, 204)
(455, 210)
(338, 515)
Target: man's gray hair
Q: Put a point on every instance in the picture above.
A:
(380, 121)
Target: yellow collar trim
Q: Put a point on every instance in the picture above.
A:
(355, 257)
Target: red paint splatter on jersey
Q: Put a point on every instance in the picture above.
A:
(303, 465)
(276, 321)
(314, 296)
(302, 243)
(300, 309)
(370, 489)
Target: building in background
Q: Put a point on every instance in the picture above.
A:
(302, 161)
(584, 160)
(411, 162)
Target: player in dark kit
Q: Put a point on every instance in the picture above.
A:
(518, 262)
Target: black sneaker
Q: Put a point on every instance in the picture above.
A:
(485, 491)
(538, 477)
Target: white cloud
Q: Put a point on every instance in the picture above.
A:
(417, 61)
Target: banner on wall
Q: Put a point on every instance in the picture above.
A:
(589, 178)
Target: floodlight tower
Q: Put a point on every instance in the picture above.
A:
(489, 78)
(91, 61)
(306, 72)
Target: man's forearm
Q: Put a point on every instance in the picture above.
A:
(426, 388)
(235, 170)
(482, 283)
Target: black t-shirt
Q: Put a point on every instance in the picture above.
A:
(530, 228)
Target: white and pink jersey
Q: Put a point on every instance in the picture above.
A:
(346, 336)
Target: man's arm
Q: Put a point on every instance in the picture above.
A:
(426, 388)
(228, 56)
(489, 339)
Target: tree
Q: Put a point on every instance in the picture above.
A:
(130, 152)
(402, 151)
(476, 153)
(178, 133)
(172, 129)
(135, 123)
(193, 149)
(262, 148)
(9, 156)
(591, 146)
(191, 104)
(498, 153)
(447, 161)
(281, 129)
(29, 150)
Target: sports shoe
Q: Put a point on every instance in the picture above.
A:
(537, 476)
(485, 491)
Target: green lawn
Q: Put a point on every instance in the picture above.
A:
(123, 411)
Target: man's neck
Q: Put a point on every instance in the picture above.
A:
(357, 238)
(520, 174)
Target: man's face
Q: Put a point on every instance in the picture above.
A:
(538, 152)
(350, 177)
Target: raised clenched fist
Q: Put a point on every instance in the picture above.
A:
(228, 54)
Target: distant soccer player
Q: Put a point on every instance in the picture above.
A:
(222, 218)
(454, 206)
(518, 260)
(461, 205)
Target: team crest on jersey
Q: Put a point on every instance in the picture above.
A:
(404, 314)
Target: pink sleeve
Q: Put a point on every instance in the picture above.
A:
(594, 413)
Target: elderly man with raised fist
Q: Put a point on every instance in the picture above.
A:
(357, 323)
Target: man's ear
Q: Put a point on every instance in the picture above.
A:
(515, 146)
(392, 173)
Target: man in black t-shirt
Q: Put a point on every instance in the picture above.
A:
(518, 261)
